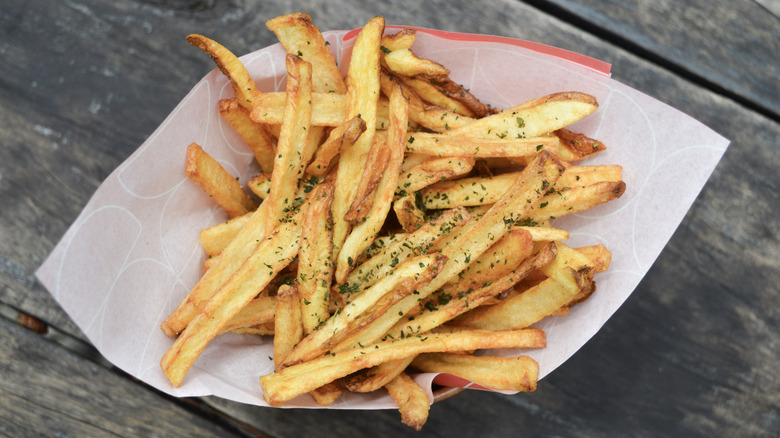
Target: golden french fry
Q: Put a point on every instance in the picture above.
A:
(314, 268)
(340, 138)
(363, 95)
(409, 214)
(289, 163)
(372, 379)
(216, 238)
(254, 134)
(430, 172)
(412, 400)
(459, 93)
(270, 257)
(376, 163)
(326, 394)
(328, 109)
(257, 312)
(260, 185)
(379, 245)
(364, 233)
(301, 37)
(288, 328)
(451, 145)
(486, 190)
(432, 117)
(533, 118)
(411, 274)
(295, 380)
(214, 180)
(404, 62)
(403, 39)
(243, 86)
(504, 373)
(431, 94)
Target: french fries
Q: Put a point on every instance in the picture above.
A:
(360, 298)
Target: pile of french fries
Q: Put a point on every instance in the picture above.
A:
(358, 297)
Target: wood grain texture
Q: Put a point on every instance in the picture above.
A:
(730, 46)
(45, 391)
(692, 352)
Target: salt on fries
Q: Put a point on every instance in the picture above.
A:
(358, 297)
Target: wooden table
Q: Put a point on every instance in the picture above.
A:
(694, 351)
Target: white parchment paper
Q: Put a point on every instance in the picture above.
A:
(133, 253)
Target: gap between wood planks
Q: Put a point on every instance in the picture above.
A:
(86, 351)
(634, 48)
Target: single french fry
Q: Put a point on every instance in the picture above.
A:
(295, 380)
(403, 39)
(340, 138)
(314, 267)
(599, 256)
(412, 400)
(260, 185)
(459, 93)
(432, 117)
(579, 145)
(451, 145)
(511, 373)
(289, 164)
(301, 37)
(270, 257)
(362, 98)
(328, 109)
(414, 244)
(258, 330)
(376, 163)
(257, 312)
(214, 180)
(410, 275)
(255, 135)
(216, 238)
(431, 94)
(364, 233)
(533, 118)
(326, 394)
(409, 214)
(288, 328)
(243, 86)
(405, 63)
(486, 190)
(379, 245)
(430, 172)
(372, 379)
(576, 199)
(544, 234)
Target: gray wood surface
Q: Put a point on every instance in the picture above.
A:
(692, 353)
(46, 391)
(730, 47)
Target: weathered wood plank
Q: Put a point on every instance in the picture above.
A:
(692, 352)
(46, 391)
(730, 46)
